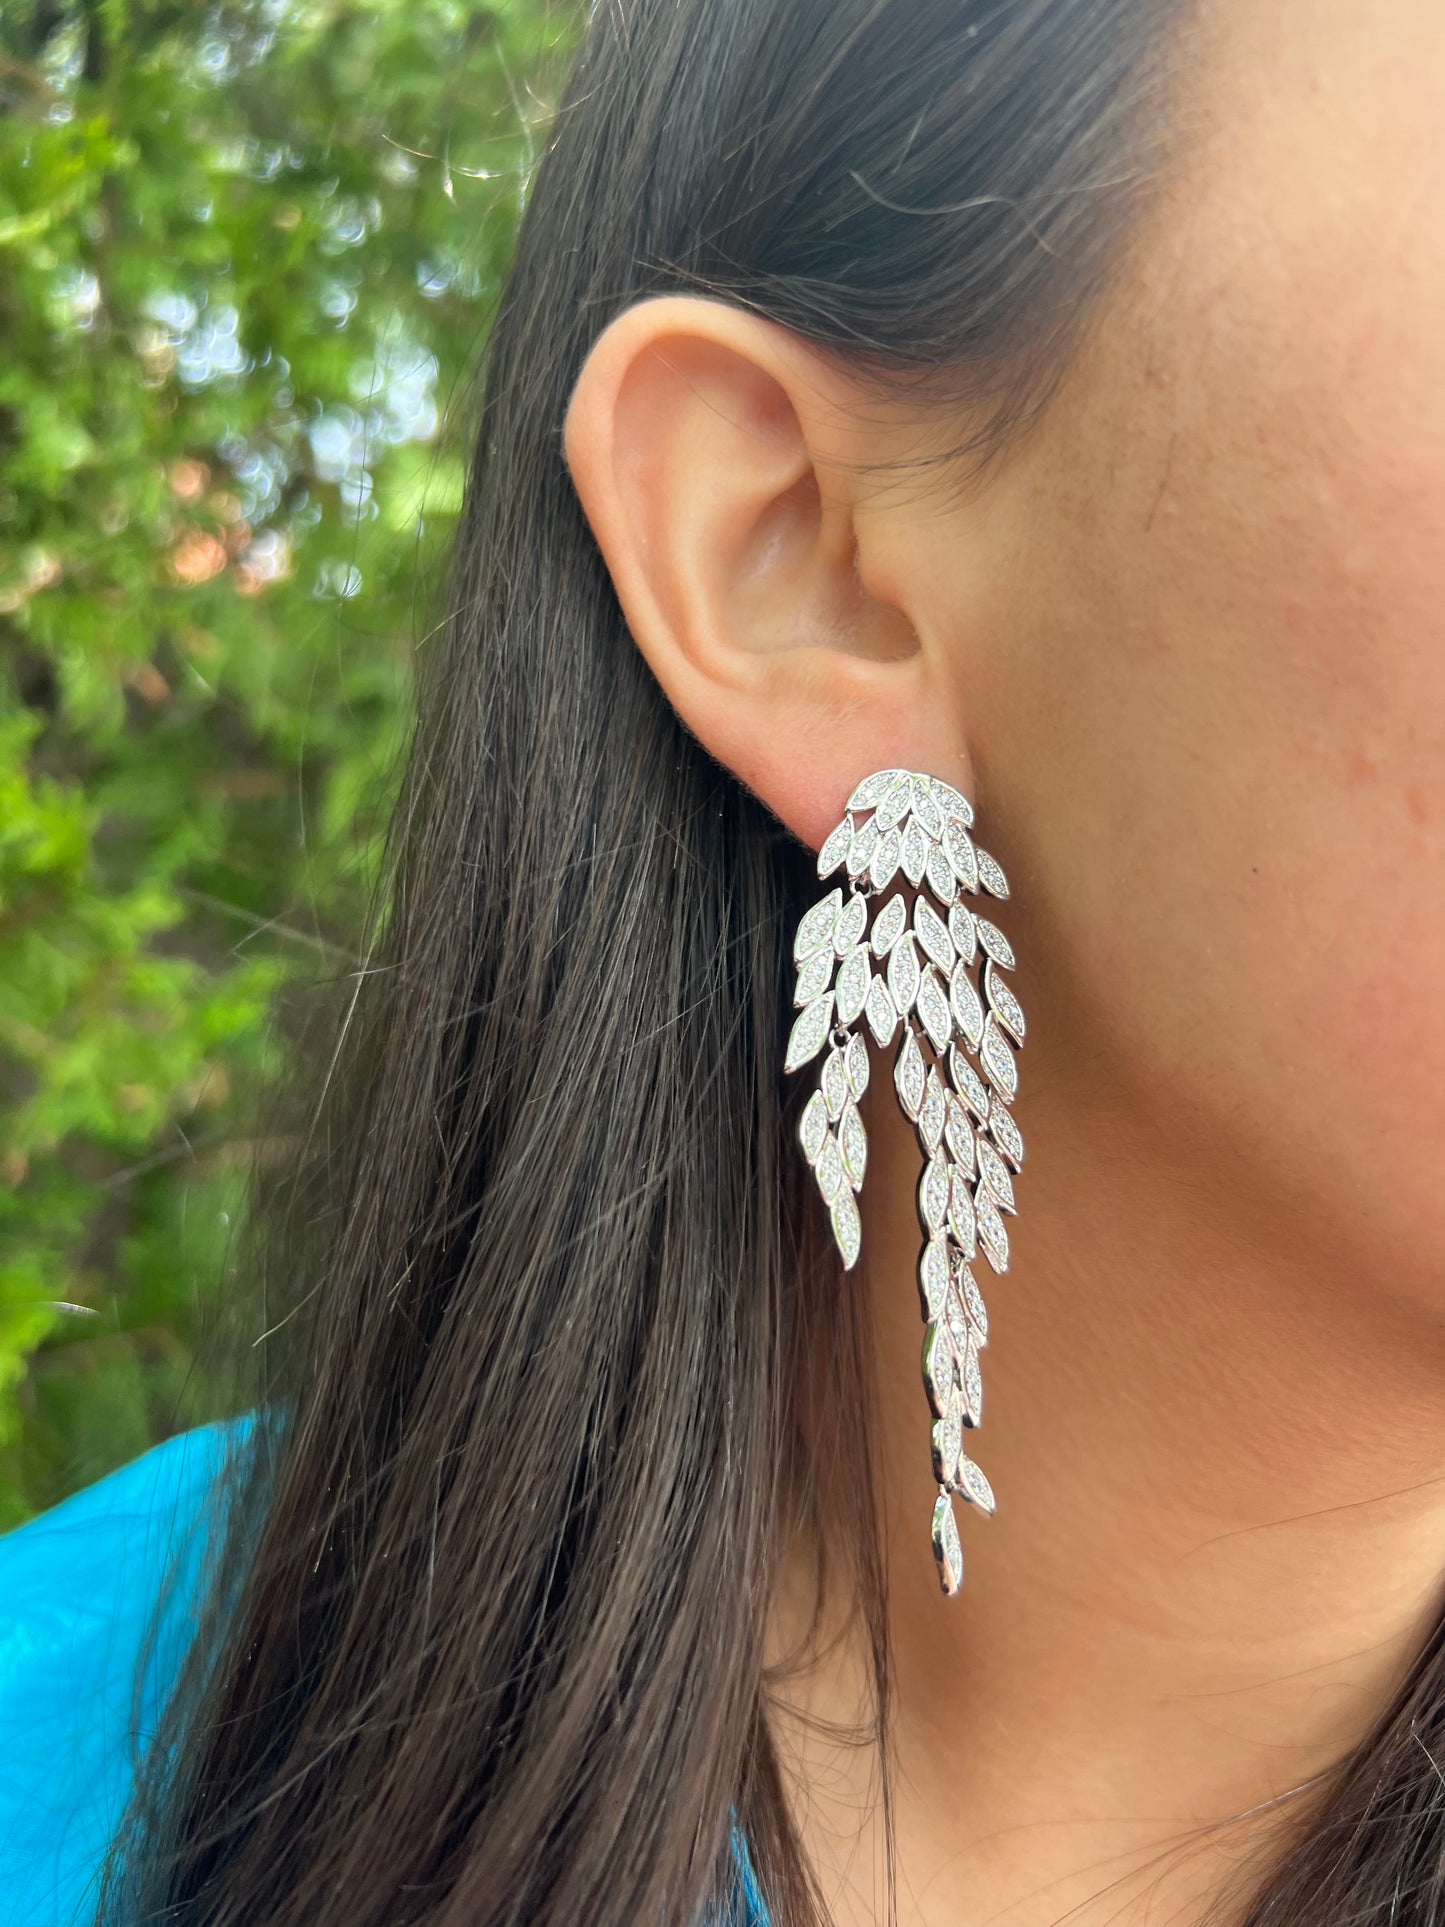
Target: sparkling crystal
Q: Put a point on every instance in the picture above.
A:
(958, 848)
(964, 1002)
(1002, 1001)
(995, 943)
(1000, 1066)
(925, 808)
(992, 1232)
(933, 1112)
(939, 874)
(971, 1484)
(973, 1303)
(813, 1126)
(932, 934)
(834, 1083)
(947, 1443)
(933, 1009)
(889, 924)
(1006, 1134)
(964, 932)
(908, 1075)
(853, 1143)
(933, 1192)
(852, 922)
(967, 1082)
(933, 1277)
(895, 805)
(914, 855)
(814, 977)
(815, 929)
(847, 1227)
(972, 1379)
(884, 866)
(873, 787)
(881, 1012)
(829, 1169)
(957, 1321)
(962, 1219)
(855, 1058)
(994, 1173)
(855, 973)
(809, 1032)
(860, 850)
(953, 802)
(958, 1132)
(946, 1548)
(903, 973)
(835, 847)
(990, 874)
(940, 1378)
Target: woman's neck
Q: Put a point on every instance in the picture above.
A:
(1221, 1481)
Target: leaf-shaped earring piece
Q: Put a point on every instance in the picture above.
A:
(874, 953)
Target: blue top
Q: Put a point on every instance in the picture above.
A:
(78, 1591)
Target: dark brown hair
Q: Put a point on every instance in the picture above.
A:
(486, 1645)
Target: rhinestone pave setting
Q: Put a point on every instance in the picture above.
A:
(893, 949)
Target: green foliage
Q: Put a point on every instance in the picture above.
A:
(246, 252)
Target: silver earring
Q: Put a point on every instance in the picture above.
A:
(955, 1074)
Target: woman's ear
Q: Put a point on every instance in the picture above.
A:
(716, 457)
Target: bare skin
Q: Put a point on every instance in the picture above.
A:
(1184, 647)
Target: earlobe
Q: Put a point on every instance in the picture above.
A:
(716, 458)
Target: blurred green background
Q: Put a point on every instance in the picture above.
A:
(247, 254)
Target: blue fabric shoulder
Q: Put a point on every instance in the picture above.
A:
(78, 1590)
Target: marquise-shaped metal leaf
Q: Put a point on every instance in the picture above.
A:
(933, 1111)
(1000, 1066)
(964, 932)
(813, 1127)
(971, 1484)
(1006, 1134)
(852, 922)
(847, 1227)
(940, 1376)
(925, 807)
(958, 848)
(850, 993)
(853, 1143)
(871, 791)
(860, 850)
(884, 866)
(995, 943)
(946, 1547)
(958, 1132)
(889, 925)
(967, 1082)
(903, 973)
(814, 977)
(995, 1175)
(939, 875)
(990, 874)
(810, 1032)
(992, 1231)
(881, 1012)
(815, 929)
(933, 1194)
(932, 934)
(1002, 1001)
(909, 1076)
(834, 1083)
(966, 1007)
(835, 847)
(855, 1060)
(934, 1277)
